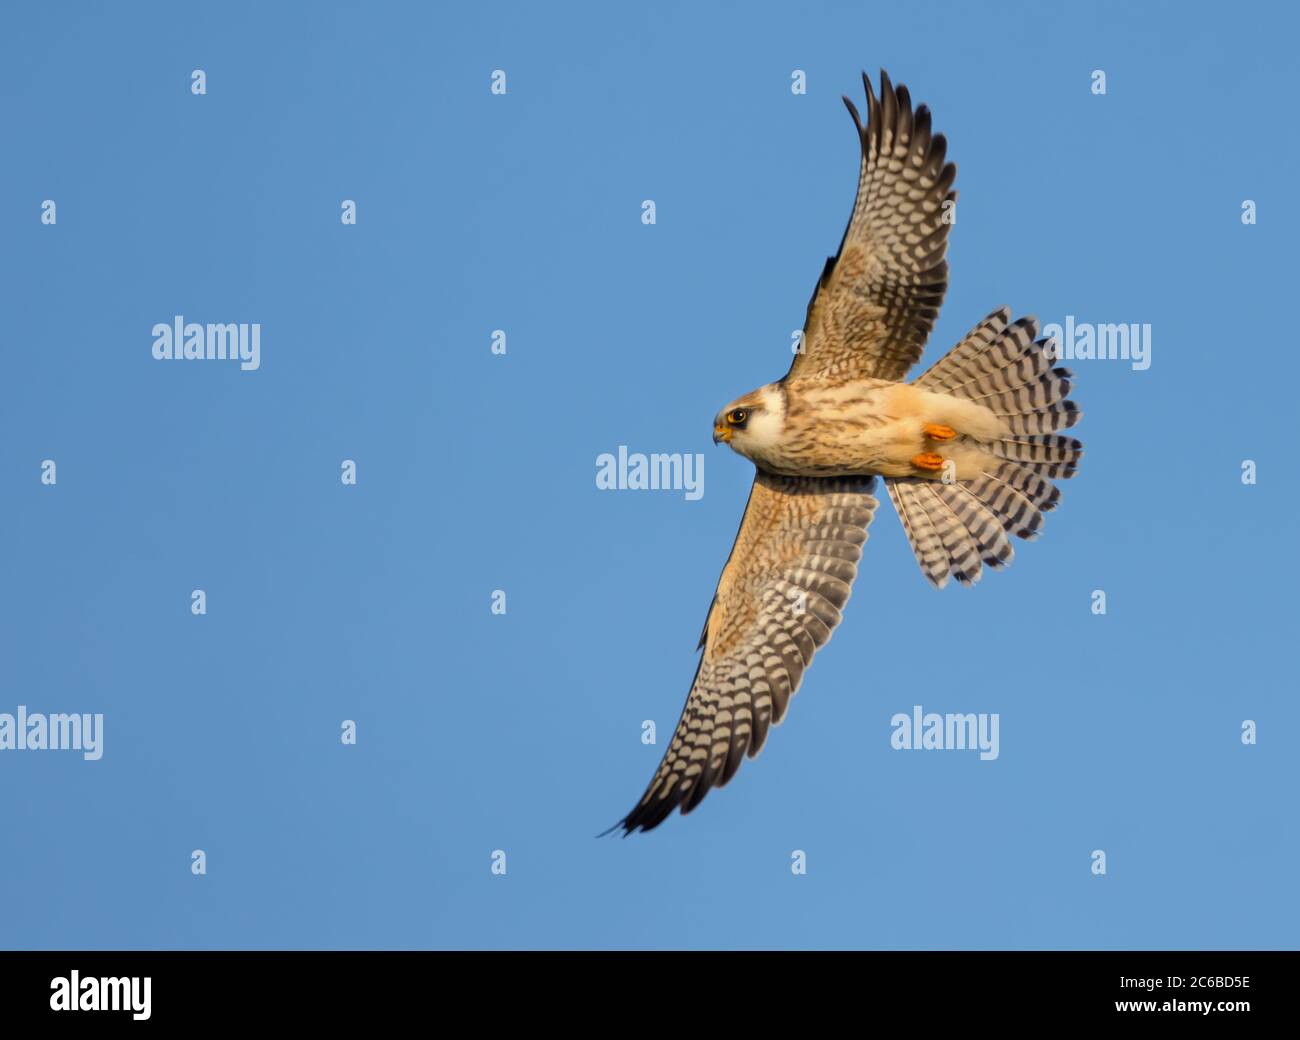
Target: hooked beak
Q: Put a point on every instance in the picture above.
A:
(721, 433)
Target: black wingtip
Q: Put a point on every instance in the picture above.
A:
(611, 830)
(853, 111)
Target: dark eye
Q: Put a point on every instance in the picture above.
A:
(738, 417)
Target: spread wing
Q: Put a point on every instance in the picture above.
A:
(877, 299)
(778, 600)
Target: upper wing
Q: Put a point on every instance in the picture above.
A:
(778, 600)
(877, 299)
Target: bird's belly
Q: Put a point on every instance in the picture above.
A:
(838, 432)
(878, 430)
(882, 446)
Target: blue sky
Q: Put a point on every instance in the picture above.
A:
(521, 732)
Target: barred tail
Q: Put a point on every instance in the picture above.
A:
(957, 529)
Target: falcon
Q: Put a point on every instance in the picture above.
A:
(967, 453)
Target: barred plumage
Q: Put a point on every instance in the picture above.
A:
(968, 453)
(887, 281)
(1001, 366)
(778, 601)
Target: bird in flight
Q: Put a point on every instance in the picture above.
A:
(967, 452)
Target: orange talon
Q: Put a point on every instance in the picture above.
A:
(928, 460)
(939, 433)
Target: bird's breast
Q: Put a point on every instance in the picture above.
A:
(846, 428)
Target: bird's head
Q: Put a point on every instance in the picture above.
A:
(752, 423)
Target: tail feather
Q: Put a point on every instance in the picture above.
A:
(1039, 451)
(919, 528)
(1042, 493)
(958, 542)
(1016, 393)
(983, 526)
(957, 528)
(1018, 512)
(980, 340)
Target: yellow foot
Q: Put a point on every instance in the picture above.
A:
(939, 433)
(928, 460)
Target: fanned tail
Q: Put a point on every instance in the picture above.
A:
(957, 529)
